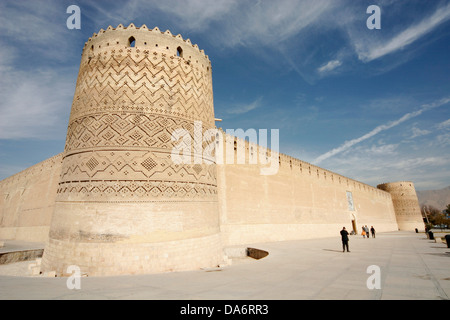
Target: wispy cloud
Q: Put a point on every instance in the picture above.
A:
(289, 28)
(244, 108)
(242, 23)
(380, 128)
(39, 26)
(269, 22)
(330, 66)
(36, 88)
(444, 125)
(443, 139)
(416, 132)
(34, 105)
(419, 162)
(368, 52)
(379, 163)
(195, 15)
(381, 149)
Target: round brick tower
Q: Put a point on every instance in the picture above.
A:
(406, 205)
(123, 206)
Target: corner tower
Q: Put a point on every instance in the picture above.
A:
(406, 205)
(123, 206)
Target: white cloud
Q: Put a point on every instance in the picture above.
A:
(39, 26)
(34, 105)
(289, 28)
(443, 139)
(248, 23)
(416, 132)
(377, 164)
(197, 14)
(368, 52)
(382, 149)
(380, 128)
(7, 55)
(331, 65)
(409, 164)
(244, 108)
(271, 22)
(444, 125)
(35, 91)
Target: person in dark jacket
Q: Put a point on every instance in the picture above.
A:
(344, 236)
(372, 230)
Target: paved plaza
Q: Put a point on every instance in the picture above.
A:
(408, 266)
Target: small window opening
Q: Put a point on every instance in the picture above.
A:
(132, 42)
(180, 52)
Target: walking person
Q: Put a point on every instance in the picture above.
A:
(366, 228)
(372, 230)
(344, 236)
(363, 232)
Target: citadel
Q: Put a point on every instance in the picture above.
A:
(114, 203)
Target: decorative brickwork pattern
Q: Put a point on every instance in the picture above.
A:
(134, 98)
(140, 81)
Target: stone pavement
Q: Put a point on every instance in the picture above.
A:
(411, 267)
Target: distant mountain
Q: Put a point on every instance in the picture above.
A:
(436, 198)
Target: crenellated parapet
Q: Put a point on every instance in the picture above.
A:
(145, 40)
(248, 152)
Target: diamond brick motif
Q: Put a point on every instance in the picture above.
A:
(92, 163)
(149, 164)
(136, 135)
(197, 168)
(164, 137)
(85, 138)
(108, 135)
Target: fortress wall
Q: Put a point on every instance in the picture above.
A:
(300, 201)
(27, 200)
(116, 202)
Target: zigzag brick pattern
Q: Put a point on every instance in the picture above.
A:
(135, 98)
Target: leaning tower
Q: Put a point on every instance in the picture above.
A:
(123, 206)
(406, 205)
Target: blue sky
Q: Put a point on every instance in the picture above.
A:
(372, 105)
